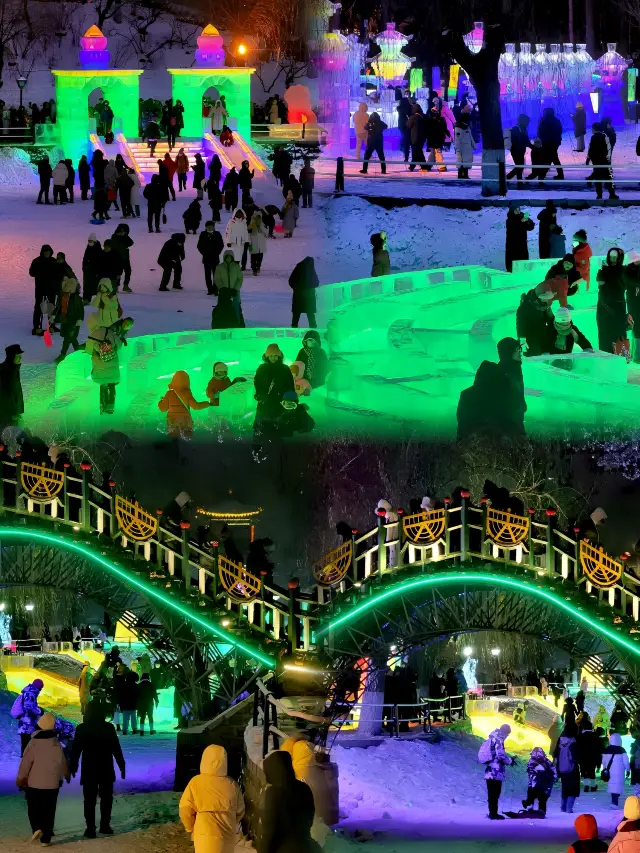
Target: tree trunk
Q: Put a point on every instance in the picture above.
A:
(373, 698)
(590, 35)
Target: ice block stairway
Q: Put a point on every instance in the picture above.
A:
(148, 165)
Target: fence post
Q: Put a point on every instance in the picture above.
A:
(551, 554)
(483, 534)
(216, 570)
(186, 569)
(576, 565)
(447, 532)
(339, 187)
(532, 514)
(354, 562)
(396, 720)
(274, 720)
(263, 610)
(449, 712)
(382, 539)
(113, 521)
(292, 633)
(85, 515)
(502, 178)
(159, 552)
(464, 529)
(464, 706)
(398, 561)
(65, 492)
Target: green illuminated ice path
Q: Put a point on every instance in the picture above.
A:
(472, 579)
(59, 541)
(404, 346)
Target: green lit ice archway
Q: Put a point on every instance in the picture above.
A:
(426, 608)
(24, 572)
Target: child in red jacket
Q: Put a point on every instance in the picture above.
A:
(582, 254)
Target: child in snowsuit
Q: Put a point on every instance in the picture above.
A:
(520, 714)
(212, 805)
(192, 217)
(582, 255)
(27, 711)
(294, 418)
(220, 382)
(177, 403)
(301, 385)
(541, 775)
(314, 359)
(69, 314)
(587, 841)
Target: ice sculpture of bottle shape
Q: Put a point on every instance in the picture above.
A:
(540, 62)
(508, 70)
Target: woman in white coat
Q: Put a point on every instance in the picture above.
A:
(236, 235)
(135, 191)
(616, 762)
(464, 143)
(218, 116)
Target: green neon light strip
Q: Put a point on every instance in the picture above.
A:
(89, 554)
(494, 580)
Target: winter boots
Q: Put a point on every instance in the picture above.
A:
(463, 173)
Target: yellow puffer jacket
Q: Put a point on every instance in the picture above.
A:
(212, 805)
(301, 752)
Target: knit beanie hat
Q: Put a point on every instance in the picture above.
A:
(562, 319)
(46, 722)
(580, 235)
(93, 237)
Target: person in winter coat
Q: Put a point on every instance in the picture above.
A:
(103, 345)
(147, 698)
(381, 260)
(599, 155)
(519, 143)
(121, 244)
(579, 119)
(215, 199)
(91, 268)
(198, 174)
(225, 315)
(360, 120)
(42, 769)
(557, 242)
(84, 177)
(587, 841)
(550, 134)
(70, 181)
(495, 769)
(124, 186)
(44, 272)
(314, 359)
(182, 168)
(215, 170)
(192, 217)
(170, 259)
(375, 129)
(590, 756)
(178, 403)
(45, 173)
(289, 214)
(494, 406)
(437, 134)
(69, 315)
(517, 226)
(611, 311)
(627, 837)
(582, 255)
(288, 810)
(450, 119)
(95, 747)
(609, 131)
(236, 235)
(258, 234)
(635, 763)
(307, 182)
(171, 167)
(245, 180)
(403, 109)
(98, 165)
(565, 334)
(416, 126)
(302, 386)
(601, 719)
(547, 220)
(619, 719)
(554, 731)
(569, 712)
(228, 277)
(281, 164)
(632, 278)
(464, 143)
(273, 379)
(212, 805)
(301, 751)
(210, 245)
(220, 382)
(154, 195)
(541, 775)
(60, 175)
(230, 189)
(304, 281)
(106, 301)
(218, 116)
(28, 712)
(566, 757)
(615, 762)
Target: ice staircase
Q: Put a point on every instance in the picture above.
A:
(146, 164)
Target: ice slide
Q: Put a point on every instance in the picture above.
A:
(236, 153)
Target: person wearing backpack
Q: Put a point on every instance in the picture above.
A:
(494, 756)
(541, 775)
(590, 749)
(587, 841)
(615, 765)
(567, 764)
(27, 712)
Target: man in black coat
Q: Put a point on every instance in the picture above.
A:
(437, 133)
(44, 271)
(519, 143)
(112, 265)
(210, 244)
(97, 743)
(599, 155)
(403, 108)
(11, 399)
(288, 809)
(272, 380)
(170, 259)
(147, 700)
(550, 134)
(45, 173)
(516, 244)
(154, 194)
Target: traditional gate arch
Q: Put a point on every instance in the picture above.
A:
(189, 85)
(423, 608)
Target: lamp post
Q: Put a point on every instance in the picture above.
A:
(22, 82)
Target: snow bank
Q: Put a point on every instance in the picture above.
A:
(16, 169)
(431, 237)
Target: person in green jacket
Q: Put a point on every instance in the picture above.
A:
(229, 275)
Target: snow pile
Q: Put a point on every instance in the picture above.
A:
(16, 169)
(394, 777)
(432, 237)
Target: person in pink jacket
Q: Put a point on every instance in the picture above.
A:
(450, 120)
(627, 837)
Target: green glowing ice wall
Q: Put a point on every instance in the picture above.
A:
(120, 88)
(189, 85)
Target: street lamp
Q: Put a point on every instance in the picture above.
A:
(22, 82)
